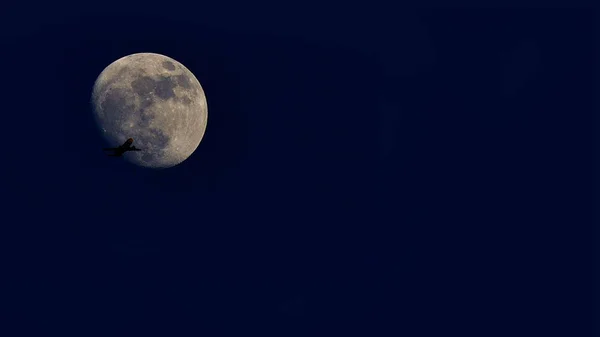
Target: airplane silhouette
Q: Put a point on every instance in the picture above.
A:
(118, 151)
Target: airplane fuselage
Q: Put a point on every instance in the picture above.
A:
(127, 143)
(118, 151)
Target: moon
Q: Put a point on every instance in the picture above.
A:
(156, 101)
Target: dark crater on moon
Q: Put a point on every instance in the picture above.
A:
(161, 139)
(115, 100)
(168, 65)
(143, 85)
(183, 81)
(163, 88)
(116, 104)
(186, 100)
(145, 103)
(145, 118)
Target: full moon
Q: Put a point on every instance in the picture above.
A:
(156, 101)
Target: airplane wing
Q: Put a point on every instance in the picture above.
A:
(115, 151)
(133, 148)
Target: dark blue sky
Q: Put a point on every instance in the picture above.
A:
(379, 173)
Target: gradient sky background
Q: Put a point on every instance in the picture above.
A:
(370, 172)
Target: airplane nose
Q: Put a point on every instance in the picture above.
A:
(130, 140)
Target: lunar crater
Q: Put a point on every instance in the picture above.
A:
(186, 100)
(143, 85)
(168, 65)
(164, 88)
(183, 81)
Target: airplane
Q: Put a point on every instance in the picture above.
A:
(118, 151)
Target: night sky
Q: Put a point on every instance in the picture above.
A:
(370, 172)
